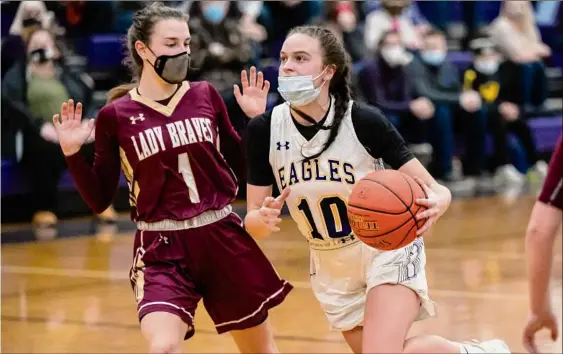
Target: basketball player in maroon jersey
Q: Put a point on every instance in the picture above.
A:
(544, 225)
(177, 149)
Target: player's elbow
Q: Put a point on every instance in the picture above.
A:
(538, 233)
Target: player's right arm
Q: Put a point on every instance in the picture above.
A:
(543, 227)
(97, 184)
(263, 210)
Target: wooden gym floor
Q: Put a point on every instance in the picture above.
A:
(72, 294)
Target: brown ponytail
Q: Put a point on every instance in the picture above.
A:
(119, 91)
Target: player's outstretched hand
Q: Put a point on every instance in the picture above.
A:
(433, 204)
(271, 209)
(253, 98)
(72, 132)
(535, 324)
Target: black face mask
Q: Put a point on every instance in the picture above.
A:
(172, 68)
(41, 56)
(29, 22)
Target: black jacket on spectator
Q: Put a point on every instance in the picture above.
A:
(221, 70)
(439, 84)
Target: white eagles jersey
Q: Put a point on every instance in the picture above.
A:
(319, 187)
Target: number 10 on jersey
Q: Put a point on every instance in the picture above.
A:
(334, 214)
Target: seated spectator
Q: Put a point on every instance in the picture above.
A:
(384, 83)
(278, 17)
(36, 87)
(342, 18)
(436, 79)
(392, 16)
(219, 51)
(487, 76)
(31, 16)
(516, 35)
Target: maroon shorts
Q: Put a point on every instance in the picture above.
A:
(219, 262)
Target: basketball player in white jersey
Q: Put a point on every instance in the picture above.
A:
(315, 147)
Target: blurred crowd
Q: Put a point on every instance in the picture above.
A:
(402, 65)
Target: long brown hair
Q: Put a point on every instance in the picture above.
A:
(141, 30)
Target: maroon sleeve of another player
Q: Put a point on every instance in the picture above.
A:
(97, 184)
(552, 190)
(230, 143)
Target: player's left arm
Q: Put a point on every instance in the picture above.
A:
(381, 139)
(544, 224)
(230, 142)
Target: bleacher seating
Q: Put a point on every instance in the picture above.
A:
(104, 55)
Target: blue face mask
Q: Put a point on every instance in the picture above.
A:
(433, 57)
(214, 13)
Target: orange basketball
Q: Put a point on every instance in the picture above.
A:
(382, 209)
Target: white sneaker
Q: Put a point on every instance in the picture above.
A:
(508, 176)
(488, 346)
(540, 168)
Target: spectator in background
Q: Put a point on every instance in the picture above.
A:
(219, 51)
(278, 17)
(394, 15)
(438, 80)
(84, 18)
(30, 16)
(515, 33)
(342, 18)
(384, 83)
(487, 76)
(35, 87)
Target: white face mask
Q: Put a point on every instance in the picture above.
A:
(299, 90)
(487, 67)
(394, 55)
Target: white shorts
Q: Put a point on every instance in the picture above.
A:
(342, 278)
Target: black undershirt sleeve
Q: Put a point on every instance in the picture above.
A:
(259, 170)
(378, 135)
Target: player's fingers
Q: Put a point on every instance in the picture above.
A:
(429, 203)
(56, 120)
(266, 86)
(427, 213)
(284, 194)
(260, 80)
(423, 185)
(70, 104)
(529, 343)
(554, 330)
(274, 222)
(271, 212)
(244, 80)
(236, 91)
(252, 79)
(78, 112)
(274, 228)
(425, 227)
(268, 202)
(64, 112)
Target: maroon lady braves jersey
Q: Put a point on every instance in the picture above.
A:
(171, 155)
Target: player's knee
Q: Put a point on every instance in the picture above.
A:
(165, 345)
